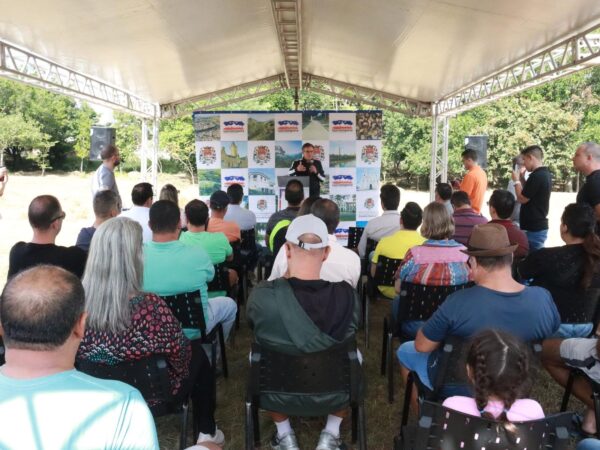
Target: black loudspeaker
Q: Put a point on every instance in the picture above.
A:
(480, 145)
(101, 137)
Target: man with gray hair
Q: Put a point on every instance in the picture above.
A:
(302, 313)
(44, 401)
(587, 161)
(104, 177)
(106, 206)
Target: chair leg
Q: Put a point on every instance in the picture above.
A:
(407, 396)
(567, 394)
(354, 424)
(384, 346)
(390, 367)
(249, 438)
(366, 306)
(184, 426)
(223, 352)
(362, 428)
(256, 425)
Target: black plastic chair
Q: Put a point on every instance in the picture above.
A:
(354, 235)
(444, 428)
(264, 266)
(187, 308)
(333, 371)
(151, 377)
(248, 259)
(417, 302)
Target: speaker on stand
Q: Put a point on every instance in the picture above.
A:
(480, 145)
(100, 138)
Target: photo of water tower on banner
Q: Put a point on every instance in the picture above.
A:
(254, 148)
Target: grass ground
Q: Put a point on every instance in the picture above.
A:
(383, 419)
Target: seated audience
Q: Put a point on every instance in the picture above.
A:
(438, 262)
(465, 217)
(498, 368)
(396, 245)
(170, 192)
(172, 267)
(216, 224)
(303, 313)
(443, 193)
(245, 218)
(125, 324)
(45, 217)
(341, 265)
(294, 194)
(44, 401)
(215, 244)
(106, 206)
(497, 301)
(386, 224)
(501, 205)
(560, 356)
(142, 198)
(306, 205)
(568, 271)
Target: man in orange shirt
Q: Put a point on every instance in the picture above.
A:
(216, 224)
(474, 182)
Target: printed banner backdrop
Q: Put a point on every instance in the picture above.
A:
(252, 148)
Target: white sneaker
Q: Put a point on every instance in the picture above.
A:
(217, 438)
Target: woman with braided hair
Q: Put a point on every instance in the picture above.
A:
(498, 367)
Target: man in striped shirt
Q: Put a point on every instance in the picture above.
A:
(465, 217)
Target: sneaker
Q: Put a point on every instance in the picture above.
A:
(285, 442)
(217, 438)
(328, 441)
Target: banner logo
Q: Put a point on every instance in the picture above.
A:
(288, 126)
(233, 179)
(207, 155)
(342, 125)
(342, 233)
(369, 154)
(261, 205)
(261, 155)
(369, 203)
(342, 180)
(233, 126)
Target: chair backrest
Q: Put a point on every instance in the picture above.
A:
(371, 245)
(248, 242)
(354, 235)
(332, 371)
(187, 308)
(419, 302)
(278, 239)
(386, 268)
(443, 428)
(221, 280)
(149, 375)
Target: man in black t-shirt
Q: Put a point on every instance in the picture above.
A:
(303, 314)
(587, 161)
(309, 167)
(45, 217)
(534, 196)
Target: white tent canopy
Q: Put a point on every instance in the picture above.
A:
(155, 58)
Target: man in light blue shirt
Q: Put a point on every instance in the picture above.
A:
(44, 402)
(173, 267)
(245, 218)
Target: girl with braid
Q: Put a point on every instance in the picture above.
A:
(498, 367)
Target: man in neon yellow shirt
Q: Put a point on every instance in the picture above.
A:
(396, 245)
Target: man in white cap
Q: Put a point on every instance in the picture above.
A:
(302, 313)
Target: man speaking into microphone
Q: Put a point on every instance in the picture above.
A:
(309, 167)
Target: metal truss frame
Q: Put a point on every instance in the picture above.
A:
(372, 97)
(224, 97)
(25, 66)
(287, 16)
(440, 130)
(567, 56)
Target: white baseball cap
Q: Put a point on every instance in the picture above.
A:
(307, 224)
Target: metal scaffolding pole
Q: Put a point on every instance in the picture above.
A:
(144, 155)
(154, 152)
(440, 128)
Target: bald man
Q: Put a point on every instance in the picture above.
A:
(45, 217)
(44, 401)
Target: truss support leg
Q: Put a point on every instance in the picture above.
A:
(296, 99)
(439, 151)
(144, 155)
(154, 151)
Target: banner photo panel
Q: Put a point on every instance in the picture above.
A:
(288, 127)
(342, 231)
(234, 176)
(234, 127)
(253, 148)
(342, 126)
(261, 154)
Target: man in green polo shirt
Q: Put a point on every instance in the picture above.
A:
(173, 267)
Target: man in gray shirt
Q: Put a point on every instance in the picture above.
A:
(245, 218)
(104, 177)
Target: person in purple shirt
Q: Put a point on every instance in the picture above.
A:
(465, 217)
(106, 206)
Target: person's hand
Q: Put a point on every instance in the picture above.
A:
(312, 169)
(516, 175)
(301, 167)
(455, 184)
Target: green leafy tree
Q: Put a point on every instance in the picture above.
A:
(177, 138)
(129, 136)
(86, 118)
(17, 135)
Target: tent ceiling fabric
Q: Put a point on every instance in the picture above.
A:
(166, 51)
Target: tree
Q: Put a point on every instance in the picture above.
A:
(18, 134)
(177, 138)
(86, 118)
(129, 136)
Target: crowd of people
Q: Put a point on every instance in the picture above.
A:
(101, 300)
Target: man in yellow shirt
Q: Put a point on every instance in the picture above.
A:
(396, 245)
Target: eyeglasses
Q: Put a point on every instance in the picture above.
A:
(59, 217)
